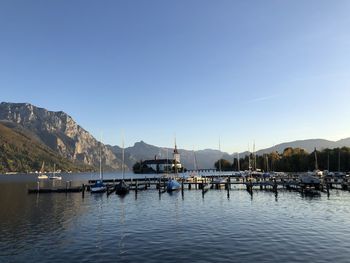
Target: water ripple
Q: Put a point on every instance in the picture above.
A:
(174, 228)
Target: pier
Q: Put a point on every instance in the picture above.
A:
(291, 182)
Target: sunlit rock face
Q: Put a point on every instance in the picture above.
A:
(61, 133)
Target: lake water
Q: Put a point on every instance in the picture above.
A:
(149, 227)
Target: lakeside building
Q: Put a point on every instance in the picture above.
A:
(162, 165)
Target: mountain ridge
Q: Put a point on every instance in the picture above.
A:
(59, 132)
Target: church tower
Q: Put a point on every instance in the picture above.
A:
(176, 154)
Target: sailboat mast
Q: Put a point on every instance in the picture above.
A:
(220, 156)
(238, 162)
(267, 163)
(195, 161)
(123, 158)
(328, 162)
(254, 156)
(316, 163)
(100, 162)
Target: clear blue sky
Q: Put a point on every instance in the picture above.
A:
(269, 71)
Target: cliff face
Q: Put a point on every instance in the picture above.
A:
(20, 151)
(61, 133)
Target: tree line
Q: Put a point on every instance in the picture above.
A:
(291, 160)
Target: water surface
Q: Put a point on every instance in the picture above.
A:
(149, 227)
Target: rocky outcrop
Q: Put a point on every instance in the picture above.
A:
(61, 133)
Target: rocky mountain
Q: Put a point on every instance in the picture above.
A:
(20, 151)
(60, 133)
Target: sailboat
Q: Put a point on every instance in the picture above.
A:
(41, 174)
(194, 176)
(219, 180)
(54, 176)
(122, 188)
(99, 186)
(317, 172)
(173, 184)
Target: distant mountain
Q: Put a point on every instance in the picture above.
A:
(308, 145)
(60, 133)
(204, 159)
(344, 142)
(22, 152)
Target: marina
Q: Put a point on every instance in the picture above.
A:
(302, 183)
(258, 226)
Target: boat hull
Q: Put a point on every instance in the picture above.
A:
(173, 185)
(55, 177)
(122, 188)
(98, 187)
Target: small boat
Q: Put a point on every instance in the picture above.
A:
(99, 186)
(173, 185)
(54, 176)
(122, 188)
(41, 174)
(219, 180)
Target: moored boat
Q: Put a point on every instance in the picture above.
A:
(122, 188)
(99, 186)
(54, 176)
(42, 171)
(173, 185)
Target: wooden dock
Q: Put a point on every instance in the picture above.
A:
(206, 183)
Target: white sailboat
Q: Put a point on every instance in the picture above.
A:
(219, 180)
(99, 186)
(173, 184)
(54, 176)
(41, 173)
(194, 176)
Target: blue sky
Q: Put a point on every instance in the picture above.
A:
(269, 71)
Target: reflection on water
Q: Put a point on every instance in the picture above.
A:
(176, 227)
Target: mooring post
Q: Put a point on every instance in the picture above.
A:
(250, 186)
(195, 183)
(136, 186)
(83, 191)
(159, 186)
(327, 186)
(38, 186)
(182, 188)
(228, 187)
